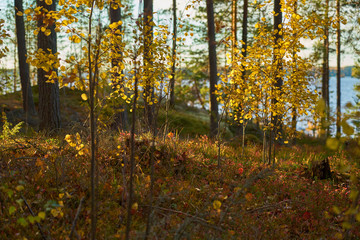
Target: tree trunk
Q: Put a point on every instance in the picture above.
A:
(338, 72)
(325, 73)
(15, 62)
(214, 115)
(28, 102)
(276, 120)
(173, 69)
(49, 103)
(245, 27)
(120, 118)
(233, 29)
(148, 39)
(293, 108)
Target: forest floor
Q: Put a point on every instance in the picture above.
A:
(46, 181)
(44, 184)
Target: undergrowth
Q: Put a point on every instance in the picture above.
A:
(45, 182)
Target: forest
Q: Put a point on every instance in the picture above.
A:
(199, 119)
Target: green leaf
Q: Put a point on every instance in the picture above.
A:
(12, 209)
(347, 129)
(31, 219)
(10, 193)
(37, 219)
(22, 221)
(353, 195)
(320, 107)
(332, 143)
(346, 225)
(357, 217)
(336, 210)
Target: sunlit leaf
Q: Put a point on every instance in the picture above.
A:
(332, 143)
(216, 204)
(84, 97)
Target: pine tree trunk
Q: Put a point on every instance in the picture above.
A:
(293, 108)
(338, 72)
(233, 28)
(28, 102)
(276, 120)
(173, 69)
(148, 39)
(245, 27)
(49, 103)
(325, 73)
(214, 115)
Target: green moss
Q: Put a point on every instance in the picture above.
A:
(186, 123)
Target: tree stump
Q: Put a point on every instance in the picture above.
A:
(321, 169)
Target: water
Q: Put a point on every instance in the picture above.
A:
(347, 92)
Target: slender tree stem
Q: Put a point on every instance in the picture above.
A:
(132, 156)
(92, 132)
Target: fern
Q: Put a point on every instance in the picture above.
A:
(7, 129)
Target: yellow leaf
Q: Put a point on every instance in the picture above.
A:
(346, 225)
(41, 215)
(19, 188)
(19, 13)
(216, 204)
(135, 206)
(332, 143)
(113, 25)
(84, 97)
(347, 129)
(47, 32)
(336, 210)
(61, 195)
(353, 194)
(48, 2)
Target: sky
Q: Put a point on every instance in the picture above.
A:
(346, 59)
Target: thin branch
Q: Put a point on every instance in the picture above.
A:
(76, 217)
(32, 213)
(195, 218)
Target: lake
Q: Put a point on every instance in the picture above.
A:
(347, 92)
(347, 95)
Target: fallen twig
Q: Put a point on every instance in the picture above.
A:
(248, 183)
(195, 218)
(76, 217)
(32, 213)
(275, 205)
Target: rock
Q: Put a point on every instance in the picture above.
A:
(321, 169)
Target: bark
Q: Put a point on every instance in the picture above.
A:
(293, 109)
(276, 120)
(325, 73)
(132, 157)
(120, 118)
(93, 161)
(148, 38)
(233, 28)
(27, 97)
(49, 102)
(173, 69)
(214, 115)
(338, 72)
(245, 27)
